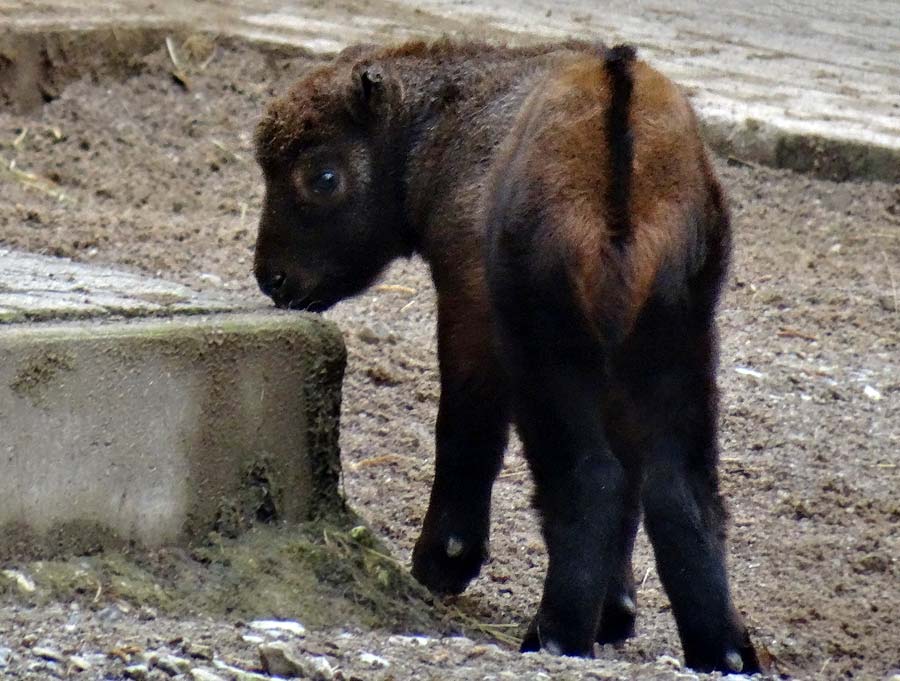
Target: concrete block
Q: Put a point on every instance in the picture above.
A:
(158, 431)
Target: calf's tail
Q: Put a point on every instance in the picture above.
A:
(618, 61)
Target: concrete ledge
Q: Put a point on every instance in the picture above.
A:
(153, 432)
(37, 288)
(772, 126)
(828, 158)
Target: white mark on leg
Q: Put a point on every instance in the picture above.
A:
(628, 604)
(454, 547)
(552, 647)
(734, 661)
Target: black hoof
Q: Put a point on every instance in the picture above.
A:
(617, 620)
(553, 640)
(531, 643)
(738, 659)
(447, 566)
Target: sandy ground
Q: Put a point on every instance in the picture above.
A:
(149, 174)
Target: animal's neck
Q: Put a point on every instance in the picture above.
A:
(454, 117)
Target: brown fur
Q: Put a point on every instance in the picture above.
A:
(577, 239)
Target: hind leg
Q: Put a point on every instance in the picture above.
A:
(674, 383)
(580, 489)
(617, 620)
(556, 365)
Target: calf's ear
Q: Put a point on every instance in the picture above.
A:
(374, 92)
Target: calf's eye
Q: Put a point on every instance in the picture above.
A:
(325, 183)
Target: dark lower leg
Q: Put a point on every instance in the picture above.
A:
(472, 431)
(453, 544)
(685, 522)
(617, 620)
(668, 369)
(626, 437)
(580, 495)
(580, 519)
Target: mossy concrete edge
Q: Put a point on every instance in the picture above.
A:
(828, 158)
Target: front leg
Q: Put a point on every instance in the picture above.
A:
(472, 430)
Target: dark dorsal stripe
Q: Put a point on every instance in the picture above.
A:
(619, 141)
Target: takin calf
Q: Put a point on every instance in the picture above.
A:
(577, 239)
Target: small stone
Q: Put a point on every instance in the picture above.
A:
(200, 674)
(278, 660)
(173, 666)
(319, 669)
(123, 607)
(214, 279)
(367, 335)
(110, 613)
(5, 655)
(198, 650)
(137, 672)
(410, 640)
(238, 673)
(479, 650)
(380, 334)
(48, 654)
(242, 675)
(374, 661)
(459, 642)
(668, 661)
(24, 583)
(79, 663)
(45, 668)
(439, 657)
(872, 393)
(277, 627)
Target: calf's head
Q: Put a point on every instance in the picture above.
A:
(332, 213)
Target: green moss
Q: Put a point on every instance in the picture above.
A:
(8, 316)
(39, 370)
(323, 574)
(837, 160)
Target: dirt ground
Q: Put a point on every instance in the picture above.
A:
(155, 172)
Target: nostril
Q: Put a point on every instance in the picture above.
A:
(271, 284)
